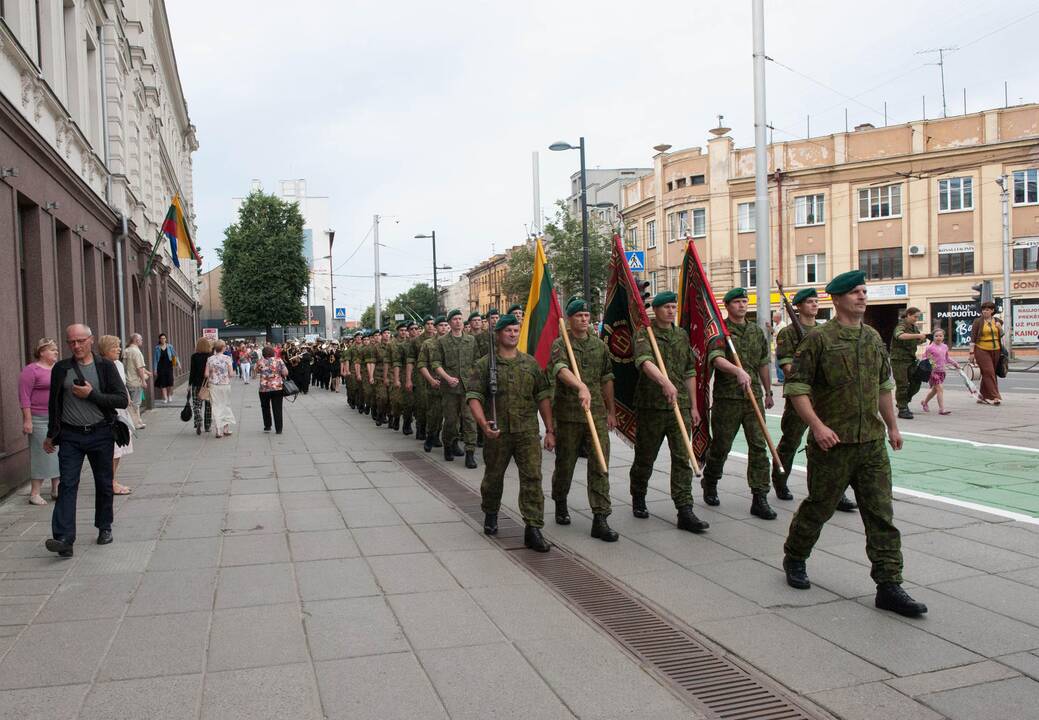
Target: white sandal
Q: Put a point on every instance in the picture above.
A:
(36, 500)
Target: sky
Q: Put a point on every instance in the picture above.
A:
(427, 113)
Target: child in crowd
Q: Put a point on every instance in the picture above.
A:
(938, 353)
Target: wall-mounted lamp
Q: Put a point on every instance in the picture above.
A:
(81, 228)
(6, 172)
(50, 206)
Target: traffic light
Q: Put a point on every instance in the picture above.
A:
(982, 291)
(644, 290)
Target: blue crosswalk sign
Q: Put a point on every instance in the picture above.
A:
(636, 260)
(340, 313)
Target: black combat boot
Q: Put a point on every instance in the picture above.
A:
(638, 507)
(759, 507)
(796, 573)
(562, 516)
(436, 440)
(420, 432)
(448, 455)
(782, 491)
(533, 539)
(490, 523)
(710, 496)
(377, 418)
(602, 530)
(470, 459)
(687, 520)
(905, 414)
(891, 596)
(407, 427)
(846, 504)
(456, 448)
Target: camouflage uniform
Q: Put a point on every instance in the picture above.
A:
(571, 423)
(656, 418)
(521, 386)
(380, 357)
(420, 388)
(731, 409)
(434, 397)
(346, 357)
(844, 370)
(792, 425)
(456, 355)
(396, 394)
(368, 356)
(903, 357)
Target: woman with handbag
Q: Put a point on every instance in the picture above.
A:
(219, 371)
(986, 345)
(272, 373)
(108, 347)
(198, 388)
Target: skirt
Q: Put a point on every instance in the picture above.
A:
(41, 465)
(937, 378)
(220, 396)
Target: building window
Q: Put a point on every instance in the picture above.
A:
(633, 238)
(1026, 187)
(1026, 259)
(881, 263)
(745, 219)
(678, 225)
(808, 210)
(670, 186)
(811, 268)
(697, 180)
(748, 273)
(651, 234)
(699, 222)
(880, 202)
(961, 263)
(673, 277)
(653, 283)
(680, 183)
(955, 194)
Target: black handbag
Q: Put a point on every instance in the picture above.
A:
(1003, 363)
(289, 388)
(185, 413)
(921, 372)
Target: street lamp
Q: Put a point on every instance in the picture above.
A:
(560, 146)
(436, 288)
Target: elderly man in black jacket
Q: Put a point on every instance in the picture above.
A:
(85, 393)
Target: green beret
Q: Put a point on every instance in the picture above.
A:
(803, 295)
(515, 307)
(493, 311)
(454, 312)
(663, 298)
(575, 306)
(474, 314)
(428, 318)
(412, 324)
(505, 320)
(388, 329)
(440, 319)
(846, 282)
(735, 294)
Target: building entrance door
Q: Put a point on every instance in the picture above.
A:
(883, 319)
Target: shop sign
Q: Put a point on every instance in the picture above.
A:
(210, 332)
(1026, 324)
(955, 248)
(890, 291)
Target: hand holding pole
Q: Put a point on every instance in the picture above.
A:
(587, 412)
(678, 412)
(757, 409)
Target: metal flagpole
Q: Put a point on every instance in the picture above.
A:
(762, 235)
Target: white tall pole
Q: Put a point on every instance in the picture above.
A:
(536, 227)
(762, 235)
(1008, 315)
(378, 300)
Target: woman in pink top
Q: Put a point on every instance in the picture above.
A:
(33, 391)
(938, 353)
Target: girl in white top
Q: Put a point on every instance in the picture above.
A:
(219, 371)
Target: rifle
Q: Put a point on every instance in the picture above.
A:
(798, 328)
(492, 381)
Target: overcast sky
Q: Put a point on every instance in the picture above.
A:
(427, 113)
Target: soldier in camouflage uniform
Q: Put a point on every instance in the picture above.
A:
(452, 362)
(732, 409)
(435, 397)
(841, 387)
(482, 337)
(593, 391)
(366, 389)
(657, 391)
(403, 377)
(904, 342)
(377, 376)
(396, 393)
(418, 385)
(347, 369)
(523, 391)
(806, 302)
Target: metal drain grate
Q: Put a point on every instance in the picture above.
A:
(713, 684)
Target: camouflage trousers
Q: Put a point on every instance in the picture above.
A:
(793, 433)
(369, 395)
(727, 417)
(864, 467)
(351, 389)
(420, 402)
(458, 420)
(525, 448)
(396, 399)
(569, 438)
(905, 386)
(653, 427)
(407, 400)
(434, 411)
(382, 398)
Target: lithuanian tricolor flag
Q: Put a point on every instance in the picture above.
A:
(541, 318)
(174, 228)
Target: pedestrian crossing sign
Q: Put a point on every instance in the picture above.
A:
(636, 260)
(340, 313)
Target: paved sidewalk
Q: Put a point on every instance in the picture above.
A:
(307, 575)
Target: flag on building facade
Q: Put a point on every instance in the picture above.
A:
(541, 317)
(176, 230)
(624, 315)
(699, 315)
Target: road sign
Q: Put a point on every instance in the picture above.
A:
(340, 313)
(636, 260)
(398, 317)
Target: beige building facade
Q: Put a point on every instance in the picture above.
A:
(487, 284)
(917, 206)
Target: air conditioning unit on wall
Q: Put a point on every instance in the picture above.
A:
(917, 251)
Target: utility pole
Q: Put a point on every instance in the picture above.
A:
(536, 229)
(331, 283)
(375, 245)
(941, 70)
(584, 227)
(762, 235)
(1008, 316)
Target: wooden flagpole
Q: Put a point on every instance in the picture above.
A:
(757, 408)
(678, 413)
(587, 411)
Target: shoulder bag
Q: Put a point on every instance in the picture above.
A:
(185, 413)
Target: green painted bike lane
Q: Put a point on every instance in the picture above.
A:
(994, 476)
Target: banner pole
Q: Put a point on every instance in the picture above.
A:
(678, 412)
(587, 412)
(757, 410)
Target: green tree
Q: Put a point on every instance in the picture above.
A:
(419, 301)
(368, 317)
(264, 271)
(518, 274)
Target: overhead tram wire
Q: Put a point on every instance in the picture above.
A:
(359, 246)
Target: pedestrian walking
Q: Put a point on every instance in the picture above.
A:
(452, 363)
(271, 372)
(841, 384)
(245, 363)
(201, 408)
(906, 338)
(164, 360)
(85, 393)
(938, 353)
(218, 374)
(986, 344)
(33, 393)
(421, 388)
(435, 396)
(108, 348)
(732, 409)
(137, 376)
(657, 392)
(522, 393)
